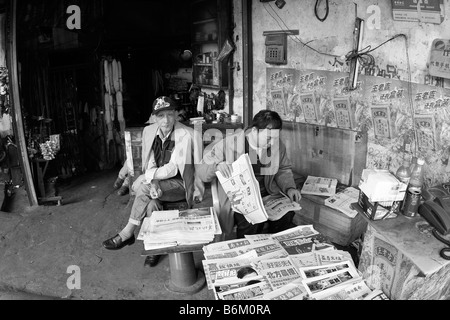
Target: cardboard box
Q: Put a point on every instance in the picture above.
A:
(377, 210)
(381, 186)
(336, 225)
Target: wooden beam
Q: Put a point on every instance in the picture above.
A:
(11, 55)
(247, 61)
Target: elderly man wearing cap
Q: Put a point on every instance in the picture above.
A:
(169, 152)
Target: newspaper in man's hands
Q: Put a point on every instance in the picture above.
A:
(278, 205)
(242, 189)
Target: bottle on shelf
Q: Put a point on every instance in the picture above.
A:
(416, 180)
(414, 191)
(404, 172)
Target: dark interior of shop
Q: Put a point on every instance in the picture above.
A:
(61, 67)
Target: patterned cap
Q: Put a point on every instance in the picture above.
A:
(163, 103)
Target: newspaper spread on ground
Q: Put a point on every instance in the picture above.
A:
(306, 244)
(278, 205)
(376, 294)
(332, 256)
(269, 249)
(224, 271)
(245, 255)
(254, 238)
(253, 289)
(318, 258)
(245, 269)
(296, 232)
(304, 260)
(239, 283)
(343, 200)
(317, 271)
(279, 272)
(242, 189)
(225, 245)
(291, 291)
(356, 291)
(190, 226)
(322, 286)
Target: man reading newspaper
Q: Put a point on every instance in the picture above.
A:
(270, 164)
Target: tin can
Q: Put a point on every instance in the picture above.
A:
(411, 202)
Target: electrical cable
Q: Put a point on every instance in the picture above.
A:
(363, 55)
(327, 10)
(444, 251)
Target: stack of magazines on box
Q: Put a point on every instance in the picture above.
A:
(296, 264)
(173, 227)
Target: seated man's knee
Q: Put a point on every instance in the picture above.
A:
(154, 205)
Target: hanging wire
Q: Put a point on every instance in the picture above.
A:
(365, 58)
(327, 10)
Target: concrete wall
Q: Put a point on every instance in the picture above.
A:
(329, 42)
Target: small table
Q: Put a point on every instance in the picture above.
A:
(184, 277)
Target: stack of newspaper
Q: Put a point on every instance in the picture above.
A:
(265, 267)
(173, 227)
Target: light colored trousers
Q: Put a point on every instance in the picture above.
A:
(143, 205)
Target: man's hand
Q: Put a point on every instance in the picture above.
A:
(225, 169)
(235, 197)
(155, 190)
(294, 195)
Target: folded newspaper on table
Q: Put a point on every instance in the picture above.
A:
(319, 186)
(343, 200)
(242, 189)
(173, 227)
